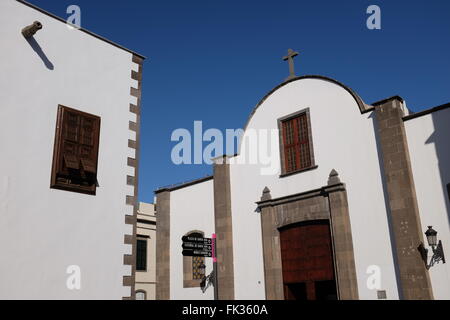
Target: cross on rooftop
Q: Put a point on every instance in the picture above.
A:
(290, 58)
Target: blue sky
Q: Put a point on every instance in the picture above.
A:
(214, 60)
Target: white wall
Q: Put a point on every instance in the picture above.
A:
(43, 231)
(343, 139)
(191, 208)
(428, 142)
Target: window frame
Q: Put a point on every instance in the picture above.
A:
(281, 121)
(146, 254)
(188, 272)
(58, 153)
(448, 191)
(141, 291)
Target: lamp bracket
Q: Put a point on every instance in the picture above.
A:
(438, 255)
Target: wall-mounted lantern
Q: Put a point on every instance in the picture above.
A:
(207, 281)
(438, 251)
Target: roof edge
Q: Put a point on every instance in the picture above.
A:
(81, 29)
(372, 106)
(362, 106)
(427, 111)
(184, 184)
(377, 103)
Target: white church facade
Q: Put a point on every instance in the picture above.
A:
(344, 218)
(70, 109)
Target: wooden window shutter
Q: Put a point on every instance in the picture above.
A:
(304, 157)
(89, 144)
(71, 161)
(69, 143)
(75, 156)
(296, 143)
(290, 150)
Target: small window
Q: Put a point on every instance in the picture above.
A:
(381, 294)
(193, 267)
(198, 268)
(296, 143)
(141, 255)
(75, 154)
(141, 295)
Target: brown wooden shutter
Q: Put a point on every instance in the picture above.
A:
(304, 157)
(88, 148)
(69, 142)
(296, 141)
(76, 151)
(290, 150)
(71, 161)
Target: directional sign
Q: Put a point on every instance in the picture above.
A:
(196, 239)
(196, 245)
(197, 253)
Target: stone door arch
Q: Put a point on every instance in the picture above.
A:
(327, 203)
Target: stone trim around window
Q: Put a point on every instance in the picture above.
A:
(280, 121)
(188, 281)
(141, 291)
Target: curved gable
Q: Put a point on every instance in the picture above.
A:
(362, 106)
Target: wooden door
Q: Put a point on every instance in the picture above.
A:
(307, 260)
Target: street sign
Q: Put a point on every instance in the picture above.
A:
(197, 253)
(197, 245)
(196, 239)
(203, 247)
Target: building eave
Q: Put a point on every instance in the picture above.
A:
(81, 29)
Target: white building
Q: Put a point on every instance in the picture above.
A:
(146, 252)
(69, 137)
(357, 187)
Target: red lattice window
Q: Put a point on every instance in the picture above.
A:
(297, 144)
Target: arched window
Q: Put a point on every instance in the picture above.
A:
(193, 267)
(141, 295)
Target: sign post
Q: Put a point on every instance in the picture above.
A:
(216, 289)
